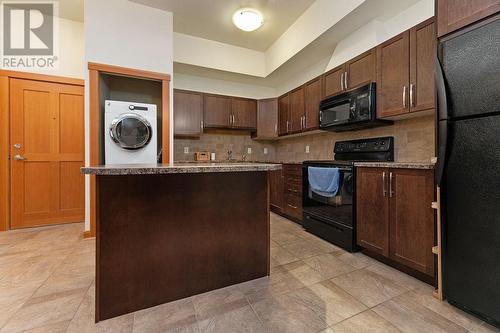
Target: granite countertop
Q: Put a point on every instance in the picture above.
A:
(396, 165)
(152, 169)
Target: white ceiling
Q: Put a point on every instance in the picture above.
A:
(71, 10)
(212, 19)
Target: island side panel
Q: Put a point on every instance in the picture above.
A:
(165, 237)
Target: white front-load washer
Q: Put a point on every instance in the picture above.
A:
(130, 133)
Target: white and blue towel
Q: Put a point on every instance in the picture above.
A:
(324, 181)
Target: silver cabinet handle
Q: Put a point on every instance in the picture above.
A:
(404, 97)
(390, 185)
(19, 158)
(230, 120)
(201, 125)
(384, 188)
(287, 126)
(294, 207)
(411, 95)
(342, 81)
(276, 129)
(345, 80)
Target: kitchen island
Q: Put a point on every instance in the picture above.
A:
(166, 232)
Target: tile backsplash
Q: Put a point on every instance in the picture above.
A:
(220, 142)
(414, 142)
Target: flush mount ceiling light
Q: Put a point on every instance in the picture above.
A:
(248, 19)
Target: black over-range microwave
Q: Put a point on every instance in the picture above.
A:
(352, 110)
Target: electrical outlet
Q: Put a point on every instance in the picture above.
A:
(265, 151)
(307, 149)
(186, 150)
(249, 150)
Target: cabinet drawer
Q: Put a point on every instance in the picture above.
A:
(293, 188)
(293, 206)
(292, 170)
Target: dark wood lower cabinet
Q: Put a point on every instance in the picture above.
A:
(286, 191)
(276, 190)
(373, 210)
(395, 219)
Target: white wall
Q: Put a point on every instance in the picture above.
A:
(126, 34)
(223, 87)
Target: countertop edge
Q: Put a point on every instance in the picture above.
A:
(396, 165)
(162, 170)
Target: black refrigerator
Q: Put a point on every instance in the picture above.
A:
(468, 169)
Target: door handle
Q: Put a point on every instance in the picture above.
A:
(342, 81)
(384, 188)
(391, 192)
(411, 95)
(443, 123)
(345, 80)
(292, 206)
(276, 129)
(19, 158)
(404, 96)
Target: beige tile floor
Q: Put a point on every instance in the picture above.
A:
(47, 285)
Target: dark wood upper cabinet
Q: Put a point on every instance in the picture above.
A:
(422, 92)
(393, 69)
(267, 118)
(188, 113)
(373, 210)
(244, 113)
(217, 111)
(394, 215)
(455, 14)
(361, 70)
(405, 72)
(412, 219)
(312, 96)
(297, 111)
(333, 81)
(284, 114)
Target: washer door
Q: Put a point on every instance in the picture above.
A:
(131, 131)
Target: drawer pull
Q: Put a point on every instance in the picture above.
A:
(292, 206)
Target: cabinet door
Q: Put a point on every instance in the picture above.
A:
(422, 64)
(373, 209)
(188, 113)
(267, 118)
(412, 219)
(361, 70)
(312, 95)
(284, 114)
(244, 112)
(455, 14)
(276, 189)
(393, 67)
(297, 110)
(217, 110)
(333, 81)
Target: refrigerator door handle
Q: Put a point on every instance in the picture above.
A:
(442, 122)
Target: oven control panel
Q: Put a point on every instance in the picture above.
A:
(385, 144)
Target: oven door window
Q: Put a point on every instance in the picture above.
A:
(336, 114)
(130, 131)
(337, 208)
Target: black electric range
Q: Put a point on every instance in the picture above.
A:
(334, 218)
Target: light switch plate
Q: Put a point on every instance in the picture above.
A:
(265, 151)
(307, 149)
(186, 150)
(249, 150)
